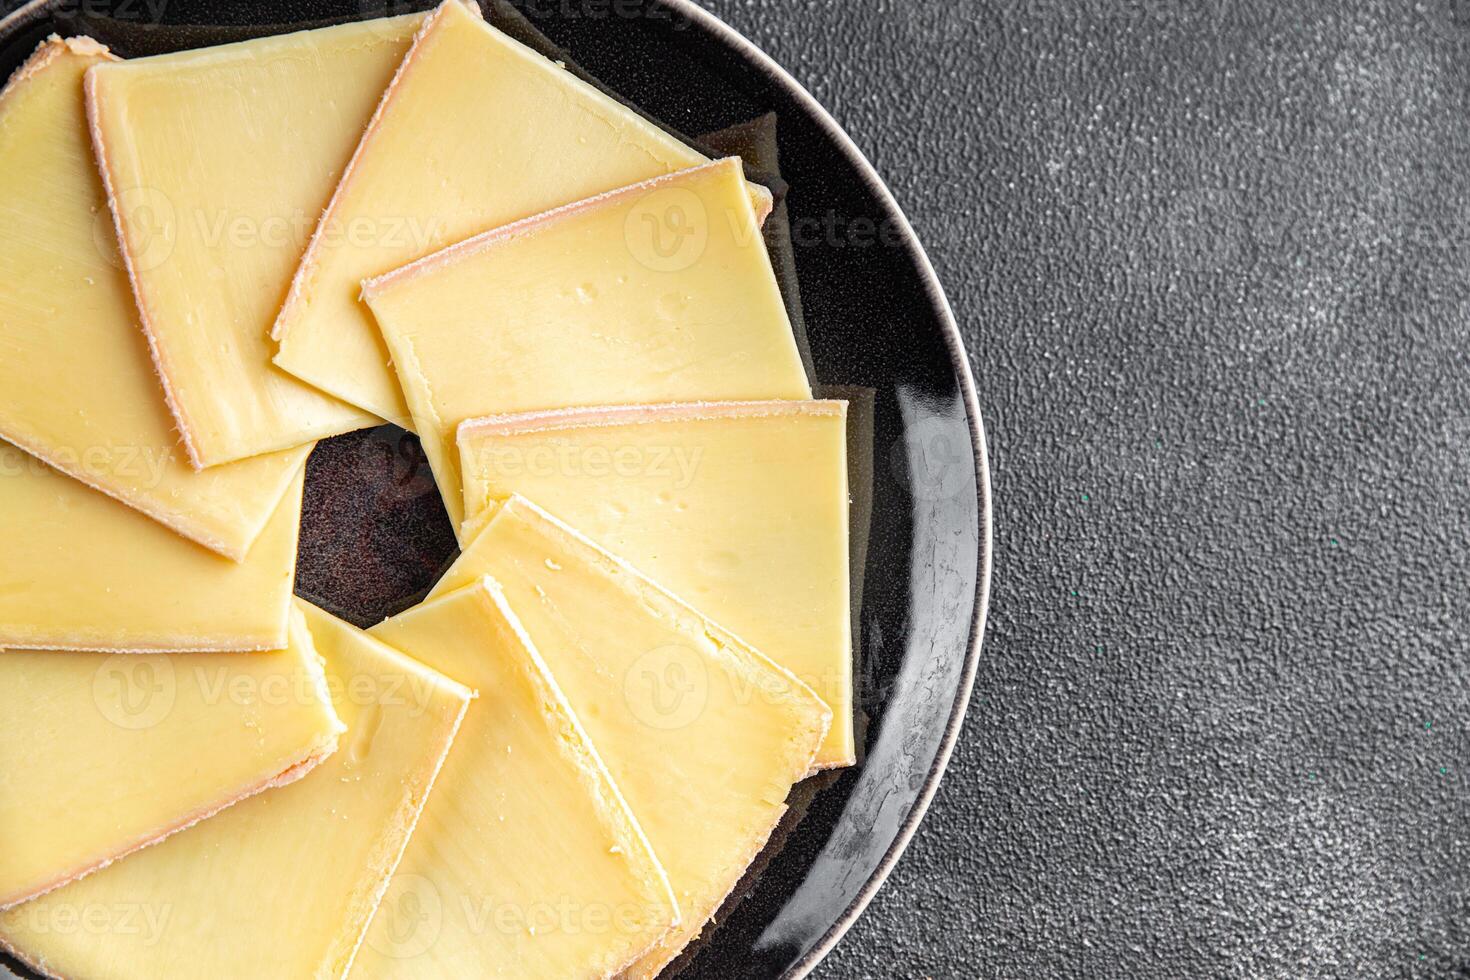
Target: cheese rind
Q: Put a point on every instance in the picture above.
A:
(528, 849)
(587, 306)
(741, 509)
(102, 756)
(475, 131)
(79, 571)
(78, 383)
(704, 735)
(218, 163)
(281, 885)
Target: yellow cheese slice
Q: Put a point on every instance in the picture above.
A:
(218, 164)
(101, 756)
(79, 571)
(581, 307)
(282, 885)
(739, 508)
(477, 130)
(77, 384)
(527, 851)
(704, 735)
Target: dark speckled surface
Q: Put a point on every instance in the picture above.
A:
(1211, 260)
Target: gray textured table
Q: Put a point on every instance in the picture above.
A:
(1210, 258)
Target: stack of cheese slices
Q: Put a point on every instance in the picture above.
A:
(559, 765)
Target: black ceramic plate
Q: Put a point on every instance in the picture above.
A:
(878, 331)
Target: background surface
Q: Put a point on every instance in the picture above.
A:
(1210, 258)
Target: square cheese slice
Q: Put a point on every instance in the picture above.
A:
(476, 131)
(527, 850)
(704, 735)
(654, 293)
(281, 885)
(218, 163)
(79, 571)
(741, 509)
(77, 384)
(101, 756)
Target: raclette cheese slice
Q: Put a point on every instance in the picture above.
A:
(77, 384)
(739, 508)
(527, 848)
(102, 756)
(654, 293)
(476, 131)
(218, 164)
(281, 885)
(79, 571)
(704, 735)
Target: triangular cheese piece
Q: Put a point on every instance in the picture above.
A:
(739, 508)
(282, 885)
(79, 571)
(476, 131)
(102, 756)
(77, 384)
(658, 292)
(527, 850)
(704, 735)
(218, 164)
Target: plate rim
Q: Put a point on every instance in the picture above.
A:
(959, 361)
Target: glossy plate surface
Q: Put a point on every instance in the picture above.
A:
(879, 331)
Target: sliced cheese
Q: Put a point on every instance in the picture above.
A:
(77, 384)
(477, 130)
(704, 735)
(582, 307)
(101, 756)
(79, 571)
(527, 850)
(219, 162)
(739, 508)
(282, 885)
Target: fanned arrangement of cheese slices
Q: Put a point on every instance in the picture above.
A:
(564, 760)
